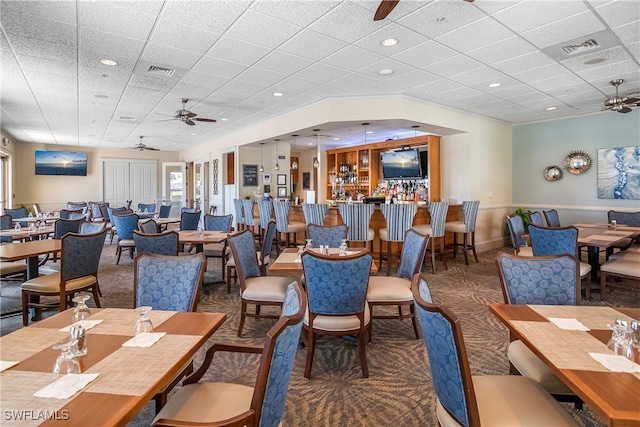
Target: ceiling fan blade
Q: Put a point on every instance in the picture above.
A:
(189, 113)
(201, 119)
(190, 122)
(167, 120)
(624, 110)
(385, 8)
(151, 149)
(633, 100)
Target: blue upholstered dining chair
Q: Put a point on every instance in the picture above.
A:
(283, 225)
(188, 210)
(218, 250)
(169, 283)
(79, 259)
(92, 227)
(256, 288)
(64, 226)
(553, 220)
(631, 219)
(535, 218)
(540, 280)
(111, 226)
(18, 213)
(435, 230)
(264, 255)
(386, 290)
(146, 207)
(165, 211)
(148, 226)
(6, 224)
(265, 210)
(238, 210)
(517, 233)
(466, 227)
(331, 235)
(399, 218)
(125, 224)
(189, 220)
(165, 243)
(557, 241)
(472, 401)
(315, 213)
(337, 290)
(67, 213)
(357, 217)
(250, 221)
(263, 404)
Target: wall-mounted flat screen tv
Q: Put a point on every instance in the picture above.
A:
(403, 164)
(61, 163)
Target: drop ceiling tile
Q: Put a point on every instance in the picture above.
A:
(617, 13)
(634, 48)
(462, 93)
(302, 15)
(262, 29)
(406, 39)
(477, 34)
(347, 22)
(218, 67)
(44, 49)
(424, 54)
(482, 75)
(502, 50)
(613, 55)
(147, 82)
(440, 17)
(311, 45)
(237, 50)
(451, 65)
(208, 81)
(244, 88)
(322, 73)
(262, 75)
(437, 87)
(110, 46)
(352, 58)
(213, 16)
(628, 33)
(294, 84)
(524, 62)
(44, 65)
(565, 29)
(180, 36)
(518, 93)
(562, 81)
(170, 56)
(528, 15)
(111, 18)
(56, 11)
(491, 7)
(386, 88)
(354, 81)
(411, 79)
(16, 23)
(283, 62)
(541, 73)
(610, 70)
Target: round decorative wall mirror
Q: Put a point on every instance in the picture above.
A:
(577, 162)
(552, 173)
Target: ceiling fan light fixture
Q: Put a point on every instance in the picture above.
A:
(278, 94)
(385, 72)
(389, 42)
(109, 62)
(496, 84)
(550, 108)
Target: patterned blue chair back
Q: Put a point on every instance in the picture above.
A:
(66, 213)
(553, 241)
(146, 207)
(357, 217)
(125, 224)
(64, 226)
(314, 213)
(442, 337)
(423, 288)
(74, 206)
(247, 212)
(281, 209)
(516, 231)
(218, 222)
(631, 219)
(280, 348)
(81, 254)
(149, 226)
(438, 213)
(535, 218)
(238, 209)
(336, 286)
(265, 208)
(269, 235)
(119, 211)
(165, 211)
(94, 208)
(18, 213)
(168, 282)
(162, 244)
(91, 227)
(5, 224)
(549, 280)
(399, 218)
(553, 220)
(189, 210)
(78, 215)
(189, 220)
(245, 255)
(412, 256)
(103, 211)
(470, 212)
(331, 235)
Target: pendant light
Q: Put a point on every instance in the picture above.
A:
(415, 130)
(294, 165)
(261, 166)
(365, 131)
(277, 166)
(316, 163)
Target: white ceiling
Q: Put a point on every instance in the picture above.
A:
(231, 56)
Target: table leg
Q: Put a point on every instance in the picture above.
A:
(32, 272)
(593, 255)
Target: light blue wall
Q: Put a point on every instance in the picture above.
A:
(538, 145)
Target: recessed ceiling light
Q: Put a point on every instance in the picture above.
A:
(369, 132)
(336, 139)
(496, 84)
(550, 108)
(100, 96)
(385, 72)
(224, 119)
(594, 61)
(193, 133)
(108, 62)
(389, 42)
(278, 94)
(309, 143)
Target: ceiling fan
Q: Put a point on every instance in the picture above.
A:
(141, 147)
(386, 6)
(621, 104)
(187, 116)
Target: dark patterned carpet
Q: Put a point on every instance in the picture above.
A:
(399, 390)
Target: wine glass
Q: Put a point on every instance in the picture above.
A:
(81, 311)
(300, 251)
(143, 324)
(309, 245)
(343, 247)
(620, 342)
(635, 339)
(66, 363)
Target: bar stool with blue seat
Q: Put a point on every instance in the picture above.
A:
(250, 221)
(357, 217)
(466, 227)
(283, 225)
(435, 230)
(238, 209)
(399, 218)
(315, 213)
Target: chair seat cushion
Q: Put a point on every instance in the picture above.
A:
(266, 288)
(389, 289)
(51, 283)
(127, 243)
(629, 253)
(627, 266)
(511, 400)
(338, 323)
(525, 251)
(530, 366)
(7, 267)
(215, 250)
(584, 269)
(296, 227)
(424, 229)
(455, 226)
(207, 402)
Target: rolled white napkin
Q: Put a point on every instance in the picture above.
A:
(616, 362)
(6, 365)
(86, 324)
(569, 324)
(145, 339)
(66, 386)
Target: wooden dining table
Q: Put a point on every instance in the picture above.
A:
(30, 251)
(289, 263)
(201, 238)
(614, 396)
(128, 379)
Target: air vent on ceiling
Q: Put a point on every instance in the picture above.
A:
(582, 46)
(161, 71)
(128, 119)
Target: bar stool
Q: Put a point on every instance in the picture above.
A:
(357, 217)
(265, 210)
(239, 214)
(468, 229)
(315, 213)
(399, 218)
(283, 225)
(438, 213)
(251, 221)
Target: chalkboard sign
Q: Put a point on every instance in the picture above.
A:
(250, 175)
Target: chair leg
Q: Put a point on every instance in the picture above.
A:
(362, 353)
(473, 245)
(389, 258)
(243, 309)
(412, 310)
(433, 255)
(131, 253)
(311, 348)
(455, 244)
(118, 252)
(444, 261)
(96, 294)
(25, 308)
(228, 279)
(465, 249)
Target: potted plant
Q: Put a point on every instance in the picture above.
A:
(524, 215)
